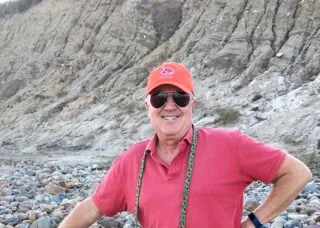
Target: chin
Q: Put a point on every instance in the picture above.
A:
(170, 131)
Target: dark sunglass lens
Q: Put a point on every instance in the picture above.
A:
(181, 99)
(158, 99)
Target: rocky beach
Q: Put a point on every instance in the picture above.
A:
(72, 88)
(39, 195)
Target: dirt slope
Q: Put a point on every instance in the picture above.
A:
(72, 73)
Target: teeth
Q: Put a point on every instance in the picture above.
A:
(170, 117)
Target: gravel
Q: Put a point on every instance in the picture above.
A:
(40, 195)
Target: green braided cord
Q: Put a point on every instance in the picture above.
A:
(188, 179)
(186, 183)
(136, 208)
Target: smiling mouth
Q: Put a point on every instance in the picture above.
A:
(170, 117)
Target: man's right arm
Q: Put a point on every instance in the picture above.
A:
(82, 216)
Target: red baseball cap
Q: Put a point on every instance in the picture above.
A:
(170, 73)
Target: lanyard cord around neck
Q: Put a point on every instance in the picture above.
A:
(186, 189)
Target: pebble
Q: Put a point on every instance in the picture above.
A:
(36, 195)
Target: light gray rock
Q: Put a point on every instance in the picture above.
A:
(5, 211)
(279, 223)
(310, 188)
(54, 189)
(45, 222)
(298, 217)
(292, 224)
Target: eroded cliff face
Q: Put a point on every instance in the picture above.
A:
(72, 73)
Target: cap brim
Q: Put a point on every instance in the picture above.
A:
(183, 88)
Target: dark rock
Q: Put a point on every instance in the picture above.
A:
(256, 97)
(109, 222)
(12, 220)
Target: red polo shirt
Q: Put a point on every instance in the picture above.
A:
(226, 162)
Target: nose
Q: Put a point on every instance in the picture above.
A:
(170, 103)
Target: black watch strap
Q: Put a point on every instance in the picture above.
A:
(255, 220)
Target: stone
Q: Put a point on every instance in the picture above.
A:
(310, 188)
(292, 224)
(45, 222)
(47, 208)
(251, 204)
(12, 220)
(316, 217)
(23, 225)
(54, 189)
(32, 215)
(109, 222)
(298, 217)
(5, 211)
(278, 223)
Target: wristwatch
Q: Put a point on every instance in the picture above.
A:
(255, 220)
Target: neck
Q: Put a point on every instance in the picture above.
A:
(167, 150)
(172, 139)
(168, 146)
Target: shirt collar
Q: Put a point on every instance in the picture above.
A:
(152, 144)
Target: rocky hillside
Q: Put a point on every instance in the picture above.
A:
(72, 73)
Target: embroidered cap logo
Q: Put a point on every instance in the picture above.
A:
(166, 72)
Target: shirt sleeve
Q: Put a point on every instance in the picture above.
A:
(257, 160)
(109, 196)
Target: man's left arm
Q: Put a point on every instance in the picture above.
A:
(288, 182)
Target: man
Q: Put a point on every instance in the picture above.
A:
(188, 177)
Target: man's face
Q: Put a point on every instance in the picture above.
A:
(170, 120)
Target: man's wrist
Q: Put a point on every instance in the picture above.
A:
(255, 221)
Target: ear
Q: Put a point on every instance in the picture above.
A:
(194, 104)
(146, 105)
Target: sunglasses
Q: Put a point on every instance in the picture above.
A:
(179, 98)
